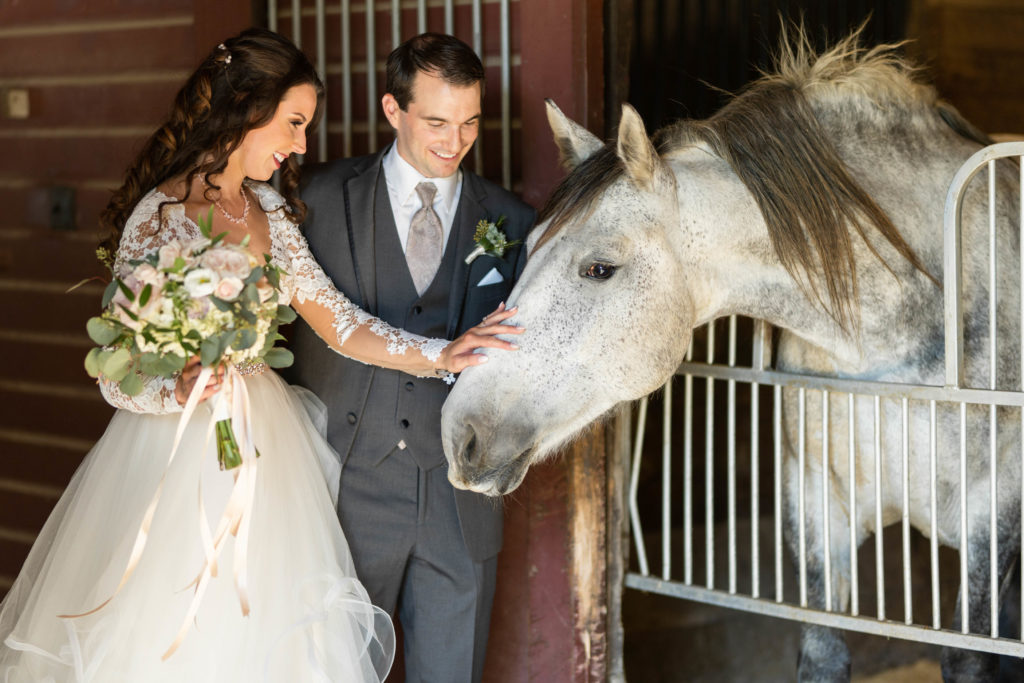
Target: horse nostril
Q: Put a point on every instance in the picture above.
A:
(470, 447)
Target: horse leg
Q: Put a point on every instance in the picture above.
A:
(969, 665)
(823, 655)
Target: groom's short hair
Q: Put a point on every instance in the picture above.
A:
(437, 54)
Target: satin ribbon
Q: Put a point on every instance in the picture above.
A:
(237, 514)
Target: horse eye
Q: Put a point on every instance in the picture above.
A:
(600, 271)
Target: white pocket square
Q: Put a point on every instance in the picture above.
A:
(493, 277)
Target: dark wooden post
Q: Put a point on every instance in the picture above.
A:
(552, 607)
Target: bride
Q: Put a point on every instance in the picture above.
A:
(243, 114)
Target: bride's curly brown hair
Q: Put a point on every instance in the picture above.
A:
(237, 88)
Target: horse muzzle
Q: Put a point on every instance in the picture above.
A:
(486, 470)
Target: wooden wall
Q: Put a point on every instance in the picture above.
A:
(99, 76)
(974, 53)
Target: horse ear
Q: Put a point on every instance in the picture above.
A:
(635, 149)
(575, 143)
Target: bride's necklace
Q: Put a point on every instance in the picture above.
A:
(235, 219)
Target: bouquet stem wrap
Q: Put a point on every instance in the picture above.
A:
(237, 515)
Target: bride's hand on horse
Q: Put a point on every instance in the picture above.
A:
(187, 379)
(459, 355)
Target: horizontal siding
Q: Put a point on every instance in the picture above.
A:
(100, 76)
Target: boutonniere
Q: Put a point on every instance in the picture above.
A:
(490, 240)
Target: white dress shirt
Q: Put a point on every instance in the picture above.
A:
(402, 180)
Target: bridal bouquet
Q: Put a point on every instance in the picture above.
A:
(204, 298)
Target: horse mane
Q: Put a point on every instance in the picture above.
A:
(773, 140)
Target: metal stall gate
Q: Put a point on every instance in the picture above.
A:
(341, 34)
(755, 574)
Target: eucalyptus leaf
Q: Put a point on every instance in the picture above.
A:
(244, 339)
(92, 365)
(144, 295)
(209, 351)
(220, 304)
(285, 314)
(115, 366)
(254, 275)
(279, 358)
(102, 331)
(109, 293)
(274, 277)
(131, 385)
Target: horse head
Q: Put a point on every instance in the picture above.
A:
(604, 320)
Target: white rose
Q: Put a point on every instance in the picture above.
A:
(228, 288)
(237, 264)
(201, 282)
(215, 259)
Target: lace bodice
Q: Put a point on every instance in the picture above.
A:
(329, 312)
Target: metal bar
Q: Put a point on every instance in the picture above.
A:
(272, 15)
(914, 392)
(688, 473)
(297, 23)
(478, 48)
(965, 615)
(321, 67)
(887, 629)
(952, 275)
(421, 16)
(730, 435)
(346, 78)
(371, 75)
(933, 541)
(666, 483)
(993, 350)
(396, 22)
(826, 537)
(709, 466)
(449, 17)
(854, 581)
(506, 99)
(879, 552)
(801, 439)
(634, 481)
(777, 449)
(908, 607)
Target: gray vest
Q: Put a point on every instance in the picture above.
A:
(402, 410)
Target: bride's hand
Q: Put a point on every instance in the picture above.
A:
(187, 379)
(459, 355)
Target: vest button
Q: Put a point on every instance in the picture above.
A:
(352, 418)
(417, 310)
(405, 424)
(409, 386)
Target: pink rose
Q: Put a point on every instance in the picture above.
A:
(215, 259)
(228, 288)
(169, 253)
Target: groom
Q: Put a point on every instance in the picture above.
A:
(420, 546)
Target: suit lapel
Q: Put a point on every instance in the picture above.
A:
(360, 199)
(469, 213)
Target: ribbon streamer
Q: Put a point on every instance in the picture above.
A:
(237, 513)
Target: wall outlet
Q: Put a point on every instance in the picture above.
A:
(16, 105)
(62, 208)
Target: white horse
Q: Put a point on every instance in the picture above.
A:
(814, 201)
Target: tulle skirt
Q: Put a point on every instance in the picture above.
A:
(310, 618)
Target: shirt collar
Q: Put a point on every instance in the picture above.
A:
(403, 179)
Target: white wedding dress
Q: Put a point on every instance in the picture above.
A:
(310, 618)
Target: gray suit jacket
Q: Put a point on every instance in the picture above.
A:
(339, 227)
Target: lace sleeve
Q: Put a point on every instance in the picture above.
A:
(345, 327)
(144, 232)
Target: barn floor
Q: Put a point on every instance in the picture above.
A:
(669, 640)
